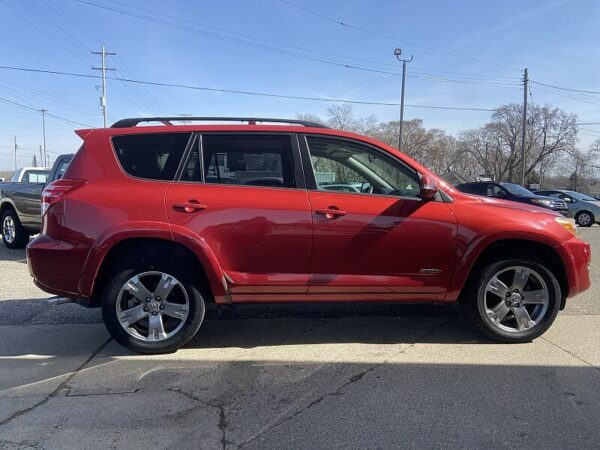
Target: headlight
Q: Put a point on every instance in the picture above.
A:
(567, 224)
(540, 201)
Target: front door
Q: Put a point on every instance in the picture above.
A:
(374, 238)
(253, 211)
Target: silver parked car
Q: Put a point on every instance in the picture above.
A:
(583, 208)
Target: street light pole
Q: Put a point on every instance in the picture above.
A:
(398, 52)
(44, 156)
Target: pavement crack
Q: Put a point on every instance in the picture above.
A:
(353, 379)
(64, 385)
(570, 353)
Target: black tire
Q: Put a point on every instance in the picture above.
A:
(138, 264)
(21, 236)
(585, 219)
(471, 300)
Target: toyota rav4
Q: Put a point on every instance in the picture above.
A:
(153, 222)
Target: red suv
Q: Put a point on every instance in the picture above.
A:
(152, 222)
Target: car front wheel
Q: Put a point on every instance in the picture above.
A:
(152, 307)
(514, 300)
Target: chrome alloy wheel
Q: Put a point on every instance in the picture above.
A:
(9, 229)
(152, 306)
(515, 299)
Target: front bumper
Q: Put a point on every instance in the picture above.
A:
(576, 256)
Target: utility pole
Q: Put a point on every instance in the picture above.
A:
(103, 53)
(43, 157)
(398, 52)
(16, 153)
(524, 130)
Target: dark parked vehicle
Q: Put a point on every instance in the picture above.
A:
(20, 204)
(513, 192)
(583, 208)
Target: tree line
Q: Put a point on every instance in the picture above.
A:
(493, 150)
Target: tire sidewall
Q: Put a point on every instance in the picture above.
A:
(553, 301)
(21, 236)
(190, 327)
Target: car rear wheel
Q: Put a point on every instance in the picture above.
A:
(13, 233)
(584, 219)
(514, 300)
(150, 306)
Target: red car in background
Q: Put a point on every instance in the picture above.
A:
(153, 222)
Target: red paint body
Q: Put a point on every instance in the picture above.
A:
(276, 244)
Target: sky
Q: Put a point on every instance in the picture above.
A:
(466, 54)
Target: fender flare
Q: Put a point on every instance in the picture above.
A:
(482, 241)
(149, 230)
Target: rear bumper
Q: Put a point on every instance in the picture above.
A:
(576, 256)
(55, 265)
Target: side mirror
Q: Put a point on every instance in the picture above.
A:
(428, 188)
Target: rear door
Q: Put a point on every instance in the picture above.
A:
(253, 211)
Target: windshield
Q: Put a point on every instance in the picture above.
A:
(580, 196)
(516, 189)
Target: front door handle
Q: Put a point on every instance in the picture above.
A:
(330, 213)
(190, 206)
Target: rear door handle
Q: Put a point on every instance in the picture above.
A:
(190, 206)
(330, 213)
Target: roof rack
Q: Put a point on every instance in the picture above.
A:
(129, 123)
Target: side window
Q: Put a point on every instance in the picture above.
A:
(494, 190)
(62, 168)
(345, 166)
(248, 159)
(151, 156)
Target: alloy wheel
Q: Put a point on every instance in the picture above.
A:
(152, 306)
(515, 299)
(8, 229)
(584, 219)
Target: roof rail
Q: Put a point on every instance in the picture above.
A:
(129, 123)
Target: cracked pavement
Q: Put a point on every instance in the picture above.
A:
(290, 376)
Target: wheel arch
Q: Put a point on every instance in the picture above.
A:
(193, 257)
(507, 247)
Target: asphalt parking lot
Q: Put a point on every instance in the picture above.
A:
(318, 376)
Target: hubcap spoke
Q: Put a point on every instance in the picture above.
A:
(523, 319)
(521, 276)
(539, 297)
(499, 312)
(156, 328)
(176, 310)
(132, 315)
(497, 287)
(165, 286)
(137, 289)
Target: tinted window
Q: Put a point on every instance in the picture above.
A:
(252, 160)
(475, 188)
(62, 168)
(151, 156)
(493, 190)
(346, 166)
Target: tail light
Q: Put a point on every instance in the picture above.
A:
(54, 191)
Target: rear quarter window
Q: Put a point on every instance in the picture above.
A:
(151, 156)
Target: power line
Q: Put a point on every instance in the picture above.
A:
(63, 119)
(583, 91)
(236, 91)
(304, 56)
(393, 38)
